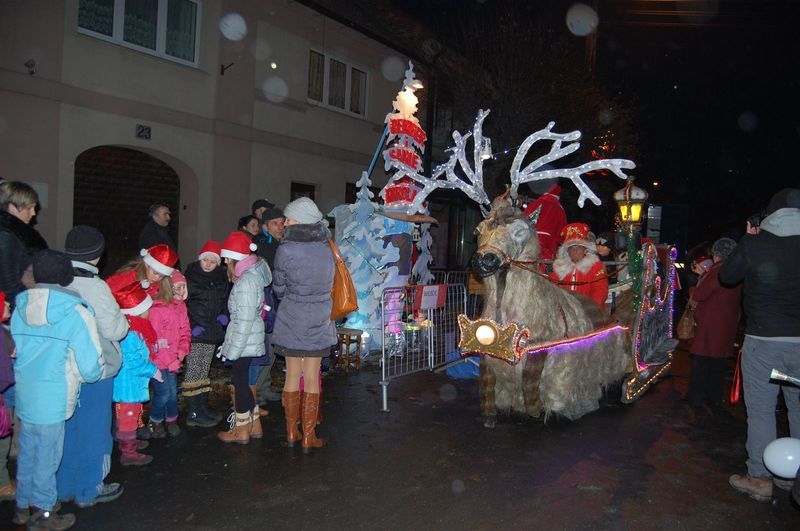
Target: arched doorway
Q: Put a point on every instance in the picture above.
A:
(114, 187)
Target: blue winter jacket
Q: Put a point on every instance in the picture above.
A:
(132, 380)
(58, 349)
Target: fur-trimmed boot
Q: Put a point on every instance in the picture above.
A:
(309, 416)
(291, 410)
(239, 431)
(128, 446)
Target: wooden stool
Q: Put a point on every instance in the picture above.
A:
(347, 337)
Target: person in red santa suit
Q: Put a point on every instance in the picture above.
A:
(577, 266)
(550, 221)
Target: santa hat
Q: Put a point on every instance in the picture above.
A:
(703, 262)
(578, 234)
(238, 246)
(161, 258)
(211, 249)
(177, 278)
(129, 293)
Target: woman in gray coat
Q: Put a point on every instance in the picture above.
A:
(303, 330)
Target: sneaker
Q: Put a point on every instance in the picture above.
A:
(156, 429)
(760, 489)
(41, 520)
(108, 492)
(783, 484)
(173, 429)
(8, 492)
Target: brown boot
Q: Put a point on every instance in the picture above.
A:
(256, 431)
(239, 431)
(291, 410)
(309, 416)
(261, 410)
(760, 489)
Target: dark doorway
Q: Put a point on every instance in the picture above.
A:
(114, 188)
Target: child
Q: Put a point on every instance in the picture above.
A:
(58, 348)
(8, 490)
(171, 323)
(131, 382)
(207, 305)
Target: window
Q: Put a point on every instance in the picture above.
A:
(337, 84)
(298, 190)
(166, 28)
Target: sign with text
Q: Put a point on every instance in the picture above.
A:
(430, 297)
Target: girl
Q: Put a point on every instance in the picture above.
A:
(171, 323)
(244, 338)
(303, 330)
(207, 305)
(250, 226)
(131, 382)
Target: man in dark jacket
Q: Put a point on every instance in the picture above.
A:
(767, 259)
(18, 239)
(155, 230)
(268, 241)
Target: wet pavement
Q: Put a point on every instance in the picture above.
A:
(429, 463)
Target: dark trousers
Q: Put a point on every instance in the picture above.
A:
(706, 380)
(241, 385)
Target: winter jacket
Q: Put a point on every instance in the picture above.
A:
(767, 262)
(303, 281)
(57, 349)
(153, 234)
(267, 247)
(111, 324)
(208, 298)
(131, 384)
(18, 241)
(587, 276)
(171, 323)
(244, 337)
(717, 316)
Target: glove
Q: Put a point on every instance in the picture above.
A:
(223, 319)
(158, 377)
(197, 330)
(174, 366)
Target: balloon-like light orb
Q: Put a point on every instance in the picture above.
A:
(485, 335)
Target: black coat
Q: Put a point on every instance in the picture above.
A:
(208, 298)
(267, 246)
(153, 234)
(18, 242)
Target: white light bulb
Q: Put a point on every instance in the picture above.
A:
(485, 335)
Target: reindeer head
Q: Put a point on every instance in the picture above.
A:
(502, 237)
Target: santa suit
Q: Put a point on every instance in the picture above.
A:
(587, 276)
(550, 221)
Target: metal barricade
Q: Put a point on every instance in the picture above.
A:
(417, 339)
(456, 277)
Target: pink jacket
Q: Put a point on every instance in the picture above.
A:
(171, 323)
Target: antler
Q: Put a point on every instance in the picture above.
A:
(529, 173)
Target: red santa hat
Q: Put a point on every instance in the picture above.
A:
(211, 249)
(703, 262)
(238, 246)
(129, 293)
(578, 234)
(161, 258)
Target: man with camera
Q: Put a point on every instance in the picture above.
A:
(766, 260)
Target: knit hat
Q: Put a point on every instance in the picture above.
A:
(578, 234)
(161, 258)
(786, 198)
(703, 262)
(303, 210)
(237, 246)
(723, 248)
(129, 293)
(52, 267)
(271, 213)
(211, 249)
(84, 243)
(261, 203)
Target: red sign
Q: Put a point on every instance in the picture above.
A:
(430, 297)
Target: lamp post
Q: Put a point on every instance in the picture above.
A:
(631, 203)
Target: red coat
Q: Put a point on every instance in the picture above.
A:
(552, 219)
(717, 316)
(588, 277)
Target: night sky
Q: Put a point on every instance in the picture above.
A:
(714, 89)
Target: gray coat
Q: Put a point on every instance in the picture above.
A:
(303, 281)
(244, 337)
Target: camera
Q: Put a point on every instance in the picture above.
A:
(755, 220)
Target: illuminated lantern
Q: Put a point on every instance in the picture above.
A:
(631, 201)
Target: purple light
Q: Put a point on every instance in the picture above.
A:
(580, 341)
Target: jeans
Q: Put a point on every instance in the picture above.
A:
(40, 449)
(758, 359)
(165, 398)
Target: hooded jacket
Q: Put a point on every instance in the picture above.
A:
(131, 384)
(303, 281)
(208, 298)
(244, 337)
(769, 265)
(58, 348)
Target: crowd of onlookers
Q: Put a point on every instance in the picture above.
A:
(81, 355)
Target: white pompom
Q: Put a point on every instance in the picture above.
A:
(143, 252)
(253, 247)
(145, 284)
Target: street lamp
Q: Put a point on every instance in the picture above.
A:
(630, 200)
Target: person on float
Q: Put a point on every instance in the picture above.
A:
(577, 266)
(550, 221)
(244, 337)
(717, 317)
(87, 439)
(208, 306)
(304, 332)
